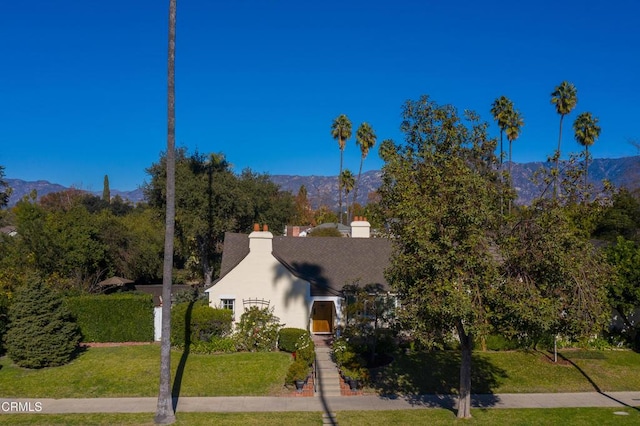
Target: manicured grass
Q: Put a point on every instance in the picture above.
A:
(142, 419)
(512, 372)
(134, 371)
(572, 416)
(555, 416)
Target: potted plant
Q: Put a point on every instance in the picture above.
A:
(298, 372)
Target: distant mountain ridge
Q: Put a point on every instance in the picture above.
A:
(323, 190)
(21, 188)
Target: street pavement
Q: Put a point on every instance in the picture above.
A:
(317, 403)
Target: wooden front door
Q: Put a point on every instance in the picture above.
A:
(322, 317)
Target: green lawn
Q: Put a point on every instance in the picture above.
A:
(512, 372)
(134, 371)
(572, 416)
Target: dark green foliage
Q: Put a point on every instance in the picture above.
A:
(188, 295)
(298, 370)
(215, 345)
(106, 191)
(305, 349)
(288, 337)
(193, 322)
(622, 218)
(325, 232)
(211, 200)
(257, 330)
(42, 332)
(4, 319)
(119, 317)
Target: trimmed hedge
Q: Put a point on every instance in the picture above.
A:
(288, 338)
(205, 322)
(116, 317)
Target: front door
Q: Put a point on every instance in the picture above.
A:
(322, 317)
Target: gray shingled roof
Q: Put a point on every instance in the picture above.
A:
(328, 263)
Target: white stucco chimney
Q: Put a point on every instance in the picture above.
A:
(360, 228)
(260, 241)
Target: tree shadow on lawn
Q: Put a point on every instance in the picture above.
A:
(177, 380)
(589, 379)
(433, 378)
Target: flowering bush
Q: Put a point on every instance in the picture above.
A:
(305, 349)
(257, 330)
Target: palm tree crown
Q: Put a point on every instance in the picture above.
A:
(365, 139)
(500, 109)
(341, 130)
(586, 131)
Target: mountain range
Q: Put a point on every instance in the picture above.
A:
(322, 190)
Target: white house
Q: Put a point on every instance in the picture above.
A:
(301, 278)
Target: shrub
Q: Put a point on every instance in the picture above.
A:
(198, 322)
(118, 317)
(298, 370)
(42, 332)
(305, 349)
(257, 330)
(4, 319)
(215, 345)
(288, 338)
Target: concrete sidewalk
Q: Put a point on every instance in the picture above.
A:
(318, 403)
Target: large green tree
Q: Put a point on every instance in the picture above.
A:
(341, 132)
(554, 280)
(211, 200)
(164, 411)
(565, 98)
(624, 292)
(586, 131)
(365, 139)
(440, 191)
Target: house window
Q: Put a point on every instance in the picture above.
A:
(229, 304)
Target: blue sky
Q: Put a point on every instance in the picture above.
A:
(83, 83)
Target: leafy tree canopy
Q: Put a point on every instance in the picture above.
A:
(211, 200)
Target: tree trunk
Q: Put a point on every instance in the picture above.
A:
(510, 178)
(557, 176)
(164, 410)
(464, 402)
(340, 186)
(355, 190)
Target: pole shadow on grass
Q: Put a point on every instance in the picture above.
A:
(177, 380)
(432, 379)
(594, 384)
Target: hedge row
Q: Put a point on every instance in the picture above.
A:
(114, 317)
(198, 322)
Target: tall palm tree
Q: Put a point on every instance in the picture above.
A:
(164, 410)
(565, 98)
(586, 132)
(347, 182)
(500, 109)
(341, 131)
(514, 123)
(365, 139)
